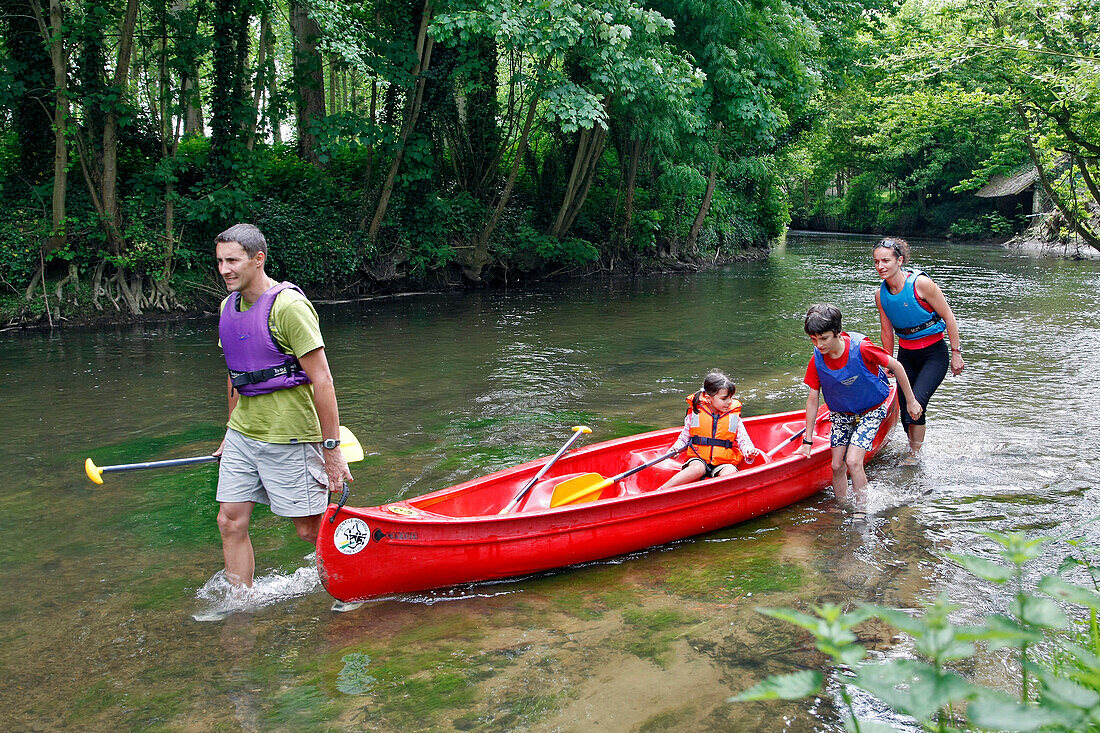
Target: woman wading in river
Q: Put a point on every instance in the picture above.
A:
(911, 305)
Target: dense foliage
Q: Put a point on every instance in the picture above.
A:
(942, 98)
(394, 144)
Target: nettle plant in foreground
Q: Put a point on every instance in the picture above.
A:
(1059, 688)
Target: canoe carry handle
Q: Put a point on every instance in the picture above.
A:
(340, 504)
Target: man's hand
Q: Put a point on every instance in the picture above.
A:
(336, 468)
(914, 409)
(803, 450)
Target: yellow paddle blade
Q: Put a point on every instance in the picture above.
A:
(95, 473)
(579, 489)
(349, 444)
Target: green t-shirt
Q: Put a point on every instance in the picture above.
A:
(285, 415)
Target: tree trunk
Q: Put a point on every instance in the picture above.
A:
(1086, 175)
(52, 33)
(33, 112)
(229, 102)
(274, 103)
(261, 76)
(704, 207)
(589, 149)
(309, 79)
(1091, 238)
(186, 14)
(1081, 228)
(479, 257)
(109, 195)
(333, 84)
(631, 184)
(424, 44)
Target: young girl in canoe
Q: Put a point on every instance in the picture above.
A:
(713, 434)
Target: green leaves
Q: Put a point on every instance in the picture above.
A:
(912, 687)
(982, 568)
(1055, 586)
(937, 696)
(794, 686)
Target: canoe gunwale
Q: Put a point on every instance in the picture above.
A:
(410, 548)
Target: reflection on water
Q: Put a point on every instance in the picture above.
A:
(100, 583)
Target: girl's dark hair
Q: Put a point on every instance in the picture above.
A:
(821, 318)
(899, 245)
(713, 383)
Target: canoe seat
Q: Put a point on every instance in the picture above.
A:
(653, 477)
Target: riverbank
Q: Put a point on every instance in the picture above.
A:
(1073, 249)
(48, 312)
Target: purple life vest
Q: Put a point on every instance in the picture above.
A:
(256, 363)
(853, 388)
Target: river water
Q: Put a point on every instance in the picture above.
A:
(99, 584)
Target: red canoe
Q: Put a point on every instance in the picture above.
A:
(457, 535)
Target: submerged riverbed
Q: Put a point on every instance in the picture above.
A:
(99, 583)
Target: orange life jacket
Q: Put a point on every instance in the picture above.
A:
(711, 437)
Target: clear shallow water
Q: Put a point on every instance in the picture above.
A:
(99, 583)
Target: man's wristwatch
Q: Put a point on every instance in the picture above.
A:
(330, 443)
(807, 441)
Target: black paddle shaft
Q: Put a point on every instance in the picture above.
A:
(644, 466)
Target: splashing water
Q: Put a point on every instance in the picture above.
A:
(223, 599)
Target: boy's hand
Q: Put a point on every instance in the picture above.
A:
(914, 409)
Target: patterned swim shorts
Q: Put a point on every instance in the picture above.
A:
(857, 430)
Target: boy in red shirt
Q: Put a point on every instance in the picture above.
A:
(856, 391)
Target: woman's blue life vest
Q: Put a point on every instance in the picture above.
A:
(256, 363)
(910, 318)
(853, 389)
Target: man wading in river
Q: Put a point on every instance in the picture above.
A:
(282, 445)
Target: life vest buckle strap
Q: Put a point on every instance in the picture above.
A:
(715, 442)
(936, 318)
(241, 379)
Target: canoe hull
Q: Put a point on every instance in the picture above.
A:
(455, 535)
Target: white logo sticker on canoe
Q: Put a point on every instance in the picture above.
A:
(351, 535)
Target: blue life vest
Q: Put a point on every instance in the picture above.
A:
(256, 363)
(910, 318)
(853, 388)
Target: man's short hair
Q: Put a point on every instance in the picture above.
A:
(248, 236)
(821, 318)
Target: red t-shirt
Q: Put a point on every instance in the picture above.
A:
(873, 357)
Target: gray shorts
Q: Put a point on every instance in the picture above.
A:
(289, 478)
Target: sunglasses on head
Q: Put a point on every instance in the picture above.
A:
(891, 244)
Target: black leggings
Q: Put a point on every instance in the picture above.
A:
(926, 369)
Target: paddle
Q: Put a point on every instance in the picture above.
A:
(578, 430)
(580, 488)
(349, 444)
(821, 415)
